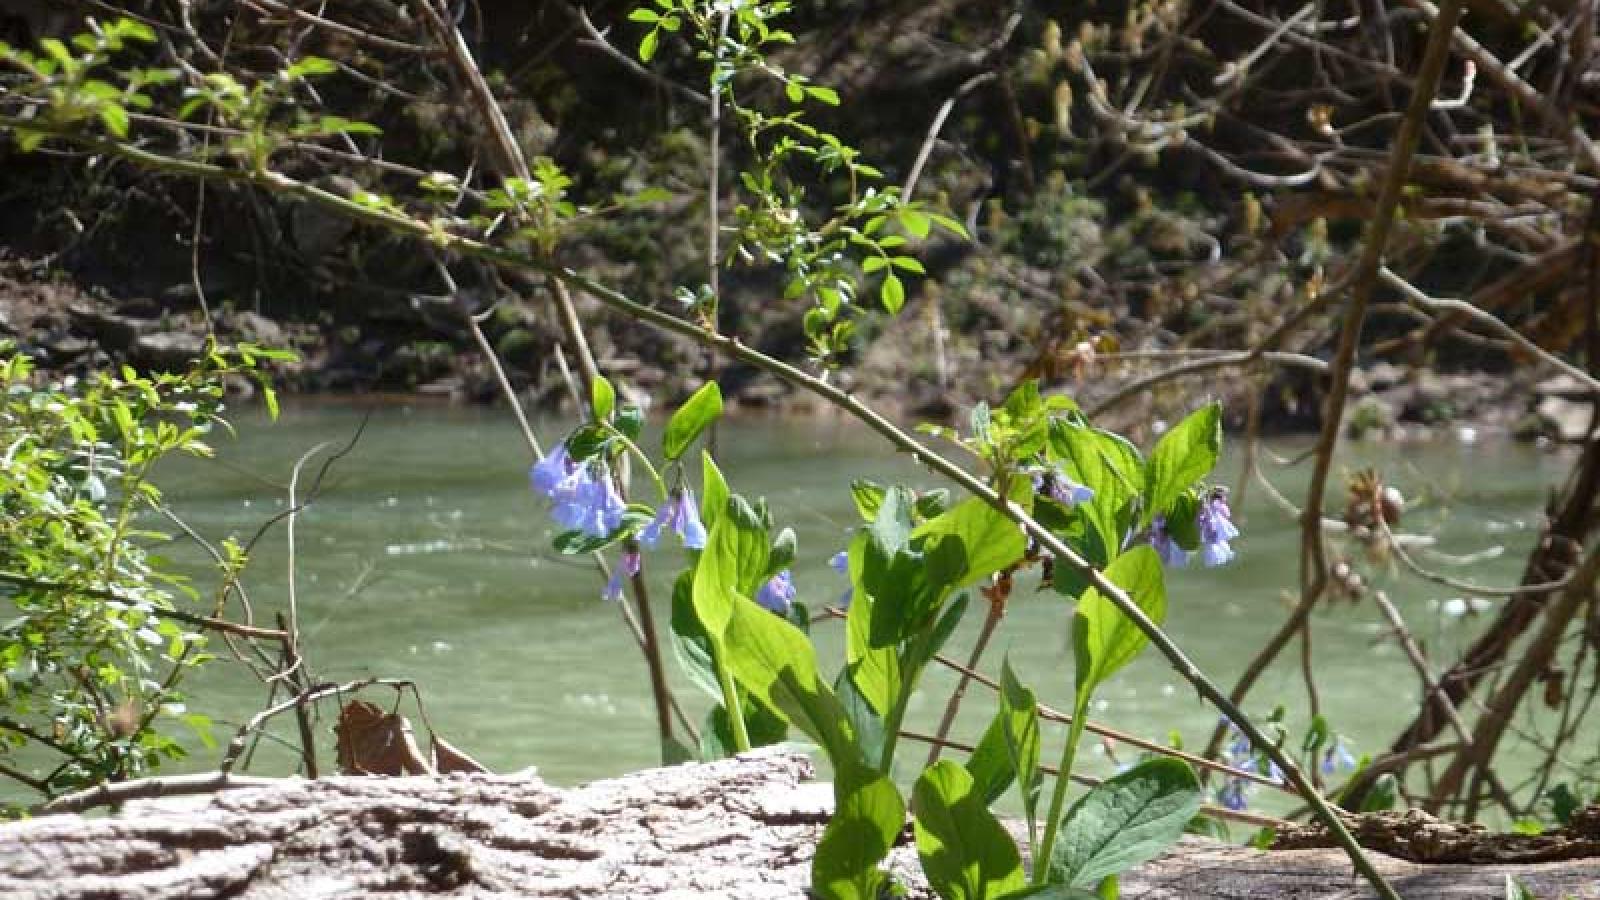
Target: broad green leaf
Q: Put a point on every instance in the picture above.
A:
(693, 417)
(776, 662)
(713, 490)
(992, 541)
(1103, 639)
(602, 397)
(1183, 456)
(1124, 821)
(648, 44)
(1106, 464)
(868, 816)
(965, 852)
(991, 764)
(734, 558)
(865, 722)
(873, 669)
(1019, 718)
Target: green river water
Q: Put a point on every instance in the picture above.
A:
(427, 557)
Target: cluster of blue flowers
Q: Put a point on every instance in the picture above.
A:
(583, 494)
(1241, 754)
(584, 498)
(1213, 519)
(680, 514)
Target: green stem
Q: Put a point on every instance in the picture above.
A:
(730, 702)
(655, 476)
(1058, 798)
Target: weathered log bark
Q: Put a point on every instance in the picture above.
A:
(741, 828)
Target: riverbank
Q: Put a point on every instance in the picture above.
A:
(72, 327)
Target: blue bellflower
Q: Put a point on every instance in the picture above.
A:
(1167, 548)
(777, 594)
(626, 568)
(583, 496)
(1215, 521)
(681, 514)
(840, 562)
(1058, 487)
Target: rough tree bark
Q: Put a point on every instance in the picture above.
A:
(742, 828)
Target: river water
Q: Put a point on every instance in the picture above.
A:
(425, 556)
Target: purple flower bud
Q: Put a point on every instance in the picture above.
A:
(1171, 554)
(777, 594)
(1214, 521)
(681, 514)
(626, 568)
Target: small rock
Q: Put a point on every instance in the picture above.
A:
(169, 351)
(258, 329)
(1567, 420)
(1561, 386)
(109, 330)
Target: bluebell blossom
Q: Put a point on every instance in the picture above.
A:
(587, 501)
(1214, 520)
(777, 594)
(626, 568)
(681, 514)
(1231, 794)
(1167, 548)
(1337, 758)
(1062, 489)
(1068, 492)
(549, 472)
(840, 562)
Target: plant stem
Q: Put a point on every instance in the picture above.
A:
(953, 706)
(1058, 797)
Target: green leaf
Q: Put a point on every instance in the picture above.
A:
(648, 45)
(892, 293)
(874, 669)
(733, 562)
(917, 223)
(1019, 716)
(647, 16)
(115, 118)
(1103, 639)
(1183, 456)
(1124, 821)
(713, 490)
(310, 66)
(692, 418)
(868, 816)
(602, 397)
(1382, 795)
(992, 541)
(776, 662)
(868, 497)
(824, 94)
(965, 852)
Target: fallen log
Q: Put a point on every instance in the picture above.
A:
(741, 828)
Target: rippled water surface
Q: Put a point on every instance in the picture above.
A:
(426, 557)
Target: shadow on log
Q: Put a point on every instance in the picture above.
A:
(741, 828)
